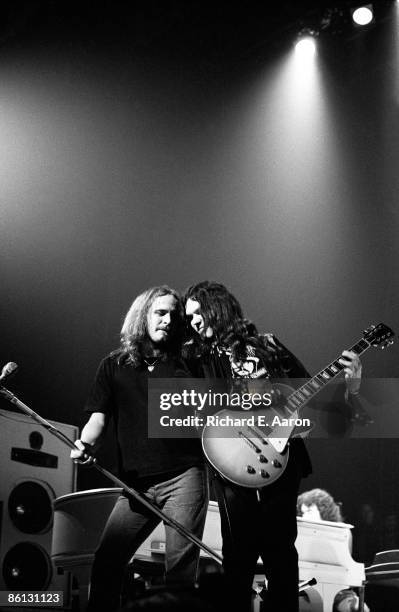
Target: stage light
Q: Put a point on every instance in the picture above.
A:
(363, 15)
(305, 46)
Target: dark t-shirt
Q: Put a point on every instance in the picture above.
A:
(120, 391)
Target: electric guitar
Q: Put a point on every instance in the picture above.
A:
(252, 451)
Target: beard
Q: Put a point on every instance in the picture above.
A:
(153, 349)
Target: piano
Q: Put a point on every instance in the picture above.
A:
(79, 518)
(324, 553)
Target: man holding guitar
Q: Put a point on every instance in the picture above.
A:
(255, 521)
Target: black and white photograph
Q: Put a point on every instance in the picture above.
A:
(199, 263)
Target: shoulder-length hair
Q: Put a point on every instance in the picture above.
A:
(134, 333)
(328, 508)
(223, 313)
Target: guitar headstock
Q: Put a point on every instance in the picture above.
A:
(379, 335)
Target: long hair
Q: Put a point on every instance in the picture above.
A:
(328, 508)
(135, 341)
(223, 313)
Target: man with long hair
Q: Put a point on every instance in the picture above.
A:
(169, 472)
(254, 522)
(319, 505)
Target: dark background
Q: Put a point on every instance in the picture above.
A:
(172, 142)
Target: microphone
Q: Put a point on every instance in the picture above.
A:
(8, 369)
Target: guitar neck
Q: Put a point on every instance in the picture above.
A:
(301, 396)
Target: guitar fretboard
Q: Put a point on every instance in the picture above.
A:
(304, 394)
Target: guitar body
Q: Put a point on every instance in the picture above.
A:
(247, 455)
(251, 448)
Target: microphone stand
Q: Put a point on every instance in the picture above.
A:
(129, 490)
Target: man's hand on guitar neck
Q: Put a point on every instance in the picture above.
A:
(352, 371)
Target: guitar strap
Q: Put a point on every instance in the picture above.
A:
(282, 363)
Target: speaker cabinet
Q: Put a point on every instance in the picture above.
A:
(35, 468)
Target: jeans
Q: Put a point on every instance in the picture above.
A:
(266, 527)
(184, 498)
